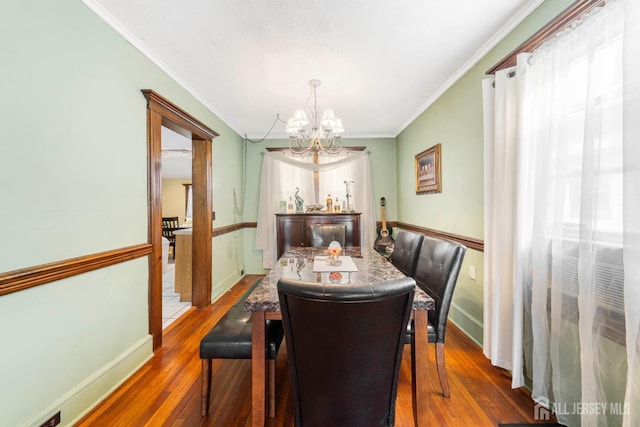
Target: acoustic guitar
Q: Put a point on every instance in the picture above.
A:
(384, 241)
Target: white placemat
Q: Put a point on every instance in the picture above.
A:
(320, 264)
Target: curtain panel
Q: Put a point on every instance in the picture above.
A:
(561, 229)
(502, 296)
(282, 174)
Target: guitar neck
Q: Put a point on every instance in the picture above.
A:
(384, 219)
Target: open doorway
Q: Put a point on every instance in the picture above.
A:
(177, 223)
(163, 113)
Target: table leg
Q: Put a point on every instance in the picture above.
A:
(419, 369)
(258, 369)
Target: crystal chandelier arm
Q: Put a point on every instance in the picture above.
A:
(298, 148)
(335, 146)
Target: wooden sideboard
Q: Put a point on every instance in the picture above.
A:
(295, 229)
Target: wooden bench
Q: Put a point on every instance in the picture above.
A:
(230, 338)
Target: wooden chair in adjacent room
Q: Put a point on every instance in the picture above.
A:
(169, 224)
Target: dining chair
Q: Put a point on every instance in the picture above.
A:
(323, 234)
(405, 251)
(169, 224)
(344, 346)
(436, 273)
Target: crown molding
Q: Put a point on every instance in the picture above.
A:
(116, 25)
(490, 44)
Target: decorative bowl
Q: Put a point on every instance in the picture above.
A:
(315, 208)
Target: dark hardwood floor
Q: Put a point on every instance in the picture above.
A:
(166, 390)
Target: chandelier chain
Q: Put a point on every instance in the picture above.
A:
(258, 141)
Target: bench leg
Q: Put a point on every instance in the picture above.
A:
(271, 366)
(206, 387)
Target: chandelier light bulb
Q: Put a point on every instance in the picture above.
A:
(291, 128)
(300, 118)
(328, 119)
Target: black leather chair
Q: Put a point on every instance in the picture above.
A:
(344, 345)
(436, 273)
(323, 234)
(405, 251)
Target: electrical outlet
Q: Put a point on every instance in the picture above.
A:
(53, 421)
(213, 215)
(472, 272)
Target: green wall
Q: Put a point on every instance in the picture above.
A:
(73, 182)
(455, 121)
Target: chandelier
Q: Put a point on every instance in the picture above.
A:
(321, 133)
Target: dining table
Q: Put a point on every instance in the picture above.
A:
(359, 265)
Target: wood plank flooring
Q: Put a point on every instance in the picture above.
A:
(166, 390)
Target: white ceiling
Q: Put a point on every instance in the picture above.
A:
(176, 155)
(381, 62)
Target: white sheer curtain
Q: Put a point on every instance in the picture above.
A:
(281, 175)
(560, 162)
(631, 196)
(359, 172)
(502, 332)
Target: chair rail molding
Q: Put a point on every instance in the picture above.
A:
(469, 242)
(25, 278)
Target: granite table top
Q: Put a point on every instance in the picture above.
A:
(297, 264)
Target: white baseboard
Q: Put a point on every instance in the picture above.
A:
(89, 393)
(227, 283)
(467, 323)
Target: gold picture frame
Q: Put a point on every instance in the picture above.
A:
(428, 171)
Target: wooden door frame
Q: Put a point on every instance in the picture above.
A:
(162, 112)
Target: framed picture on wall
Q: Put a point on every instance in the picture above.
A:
(428, 171)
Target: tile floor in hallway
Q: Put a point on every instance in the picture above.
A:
(172, 308)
